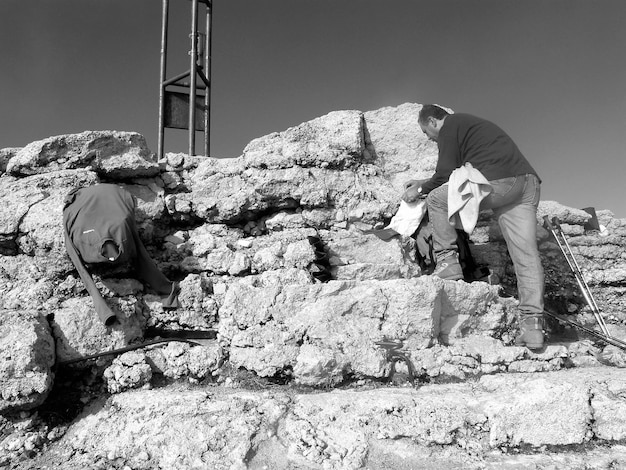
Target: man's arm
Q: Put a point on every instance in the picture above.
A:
(449, 160)
(104, 312)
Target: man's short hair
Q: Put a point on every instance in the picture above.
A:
(432, 110)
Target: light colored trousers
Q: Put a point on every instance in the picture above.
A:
(514, 203)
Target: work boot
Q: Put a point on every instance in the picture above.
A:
(531, 331)
(448, 267)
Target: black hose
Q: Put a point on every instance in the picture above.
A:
(114, 352)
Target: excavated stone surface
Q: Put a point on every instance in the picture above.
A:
(393, 139)
(31, 210)
(194, 362)
(6, 155)
(326, 331)
(219, 196)
(238, 236)
(174, 360)
(128, 371)
(26, 359)
(114, 154)
(198, 306)
(78, 332)
(478, 355)
(354, 255)
(332, 141)
(463, 425)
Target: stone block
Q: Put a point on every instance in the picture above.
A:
(79, 332)
(111, 153)
(27, 358)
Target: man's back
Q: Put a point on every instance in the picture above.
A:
(99, 213)
(466, 138)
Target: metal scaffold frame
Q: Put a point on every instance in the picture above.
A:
(181, 109)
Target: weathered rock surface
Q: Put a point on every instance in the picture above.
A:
(392, 138)
(113, 154)
(128, 371)
(464, 425)
(32, 208)
(332, 141)
(26, 359)
(180, 360)
(174, 360)
(238, 236)
(354, 255)
(324, 332)
(6, 155)
(79, 333)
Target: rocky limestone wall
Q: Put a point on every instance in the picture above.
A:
(236, 234)
(501, 422)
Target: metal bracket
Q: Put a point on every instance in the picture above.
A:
(394, 353)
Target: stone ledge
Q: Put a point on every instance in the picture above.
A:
(496, 422)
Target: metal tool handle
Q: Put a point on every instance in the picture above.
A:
(554, 226)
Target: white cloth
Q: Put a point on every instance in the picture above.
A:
(467, 187)
(408, 217)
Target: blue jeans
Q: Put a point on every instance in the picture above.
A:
(514, 203)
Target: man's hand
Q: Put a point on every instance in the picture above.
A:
(412, 194)
(412, 183)
(413, 190)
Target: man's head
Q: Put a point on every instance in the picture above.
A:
(431, 119)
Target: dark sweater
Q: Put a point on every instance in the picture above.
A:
(101, 213)
(466, 138)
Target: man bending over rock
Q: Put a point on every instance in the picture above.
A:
(463, 138)
(100, 229)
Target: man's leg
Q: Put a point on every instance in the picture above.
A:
(521, 242)
(444, 235)
(518, 222)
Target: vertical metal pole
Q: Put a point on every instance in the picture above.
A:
(207, 72)
(194, 75)
(161, 133)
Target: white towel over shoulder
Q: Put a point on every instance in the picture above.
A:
(467, 187)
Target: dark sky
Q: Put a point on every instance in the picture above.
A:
(550, 72)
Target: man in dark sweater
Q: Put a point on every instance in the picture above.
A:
(100, 229)
(464, 138)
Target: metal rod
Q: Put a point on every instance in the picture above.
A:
(194, 70)
(559, 236)
(164, 26)
(582, 283)
(607, 339)
(187, 85)
(173, 80)
(204, 79)
(595, 305)
(566, 249)
(207, 78)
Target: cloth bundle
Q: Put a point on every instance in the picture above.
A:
(467, 187)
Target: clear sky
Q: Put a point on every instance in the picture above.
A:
(552, 73)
